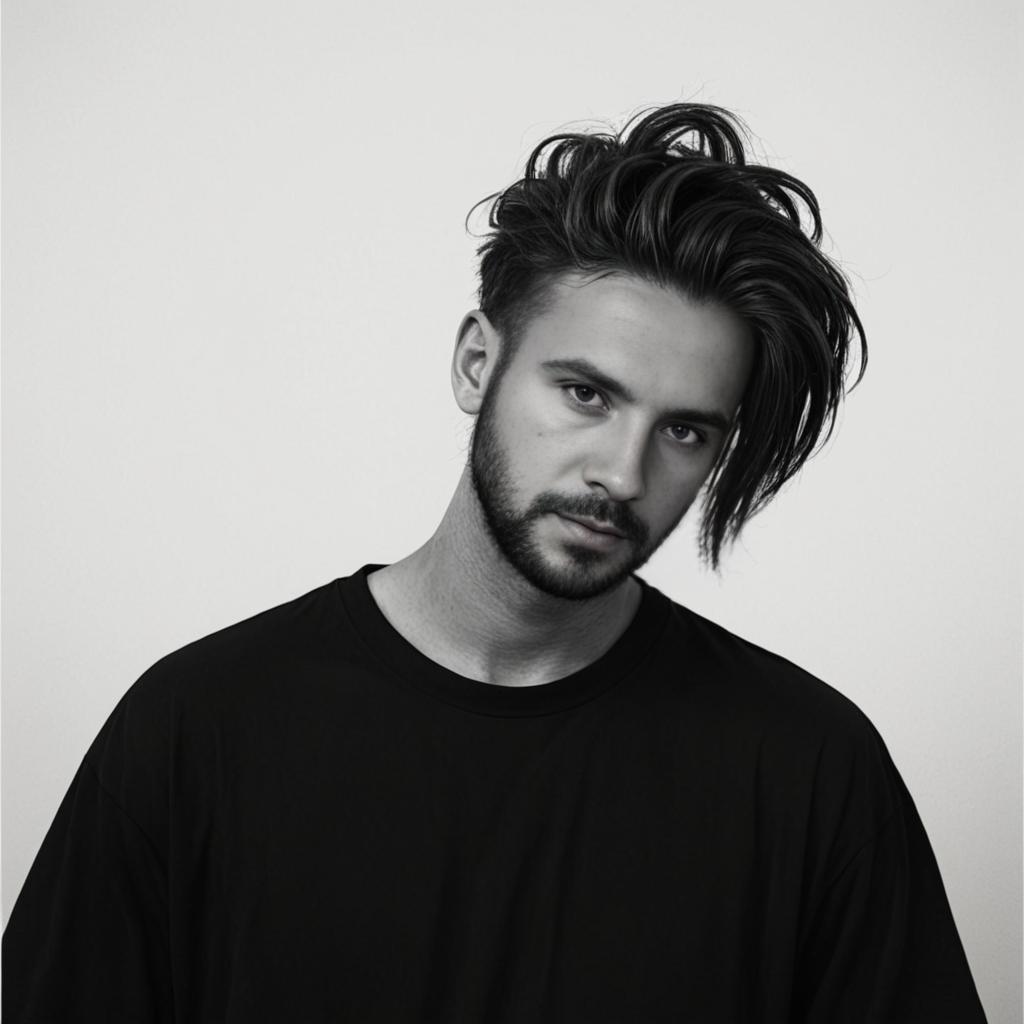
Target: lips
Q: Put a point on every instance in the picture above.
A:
(593, 524)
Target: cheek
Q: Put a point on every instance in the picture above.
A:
(537, 454)
(549, 458)
(671, 491)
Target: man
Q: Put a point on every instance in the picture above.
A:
(504, 779)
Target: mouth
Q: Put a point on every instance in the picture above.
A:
(594, 525)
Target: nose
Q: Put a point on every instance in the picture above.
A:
(616, 465)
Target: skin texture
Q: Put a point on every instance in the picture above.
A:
(508, 590)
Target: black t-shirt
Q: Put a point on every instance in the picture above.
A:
(302, 818)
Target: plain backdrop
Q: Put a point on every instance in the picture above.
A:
(234, 263)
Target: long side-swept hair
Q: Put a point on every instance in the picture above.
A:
(672, 199)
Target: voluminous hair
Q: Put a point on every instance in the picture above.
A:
(672, 199)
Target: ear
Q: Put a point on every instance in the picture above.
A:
(477, 348)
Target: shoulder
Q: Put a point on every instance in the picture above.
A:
(810, 752)
(280, 642)
(301, 627)
(762, 707)
(722, 666)
(247, 667)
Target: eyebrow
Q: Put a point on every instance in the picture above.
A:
(585, 369)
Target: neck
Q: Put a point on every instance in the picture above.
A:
(466, 607)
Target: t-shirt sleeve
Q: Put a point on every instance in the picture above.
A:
(882, 947)
(87, 939)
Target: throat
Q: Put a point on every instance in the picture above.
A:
(492, 627)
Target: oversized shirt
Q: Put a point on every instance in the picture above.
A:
(303, 818)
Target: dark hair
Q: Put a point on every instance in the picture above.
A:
(672, 199)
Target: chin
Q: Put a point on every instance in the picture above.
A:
(580, 576)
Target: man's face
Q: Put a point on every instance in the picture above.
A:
(612, 411)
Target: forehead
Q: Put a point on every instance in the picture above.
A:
(658, 342)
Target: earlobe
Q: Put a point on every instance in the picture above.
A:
(477, 346)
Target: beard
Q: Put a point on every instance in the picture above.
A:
(588, 573)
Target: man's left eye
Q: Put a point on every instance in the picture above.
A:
(685, 435)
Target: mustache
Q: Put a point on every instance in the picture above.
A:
(616, 514)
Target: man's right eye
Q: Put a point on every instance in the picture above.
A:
(584, 395)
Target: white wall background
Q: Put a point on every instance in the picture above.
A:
(235, 261)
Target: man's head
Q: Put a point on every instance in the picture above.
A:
(618, 401)
(671, 203)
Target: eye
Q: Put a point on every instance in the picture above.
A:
(686, 435)
(583, 394)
